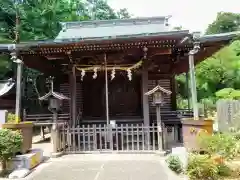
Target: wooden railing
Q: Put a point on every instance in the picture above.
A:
(167, 117)
(185, 112)
(45, 119)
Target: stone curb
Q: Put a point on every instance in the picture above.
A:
(160, 153)
(56, 155)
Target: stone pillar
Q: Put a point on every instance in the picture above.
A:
(19, 63)
(187, 89)
(193, 80)
(159, 127)
(55, 135)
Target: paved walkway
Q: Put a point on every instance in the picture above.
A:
(103, 167)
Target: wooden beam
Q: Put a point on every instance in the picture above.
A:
(173, 95)
(183, 65)
(73, 93)
(41, 64)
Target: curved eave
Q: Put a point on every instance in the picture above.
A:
(103, 40)
(37, 45)
(219, 37)
(210, 45)
(5, 47)
(205, 52)
(6, 87)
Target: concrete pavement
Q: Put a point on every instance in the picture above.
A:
(104, 167)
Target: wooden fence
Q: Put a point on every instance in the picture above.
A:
(123, 138)
(228, 114)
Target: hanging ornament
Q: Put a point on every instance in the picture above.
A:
(82, 74)
(113, 74)
(129, 74)
(95, 73)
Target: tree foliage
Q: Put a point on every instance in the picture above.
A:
(228, 93)
(225, 22)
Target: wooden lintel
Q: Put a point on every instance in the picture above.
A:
(157, 76)
(159, 51)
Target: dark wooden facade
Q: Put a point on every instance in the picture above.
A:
(125, 97)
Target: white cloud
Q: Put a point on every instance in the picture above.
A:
(194, 15)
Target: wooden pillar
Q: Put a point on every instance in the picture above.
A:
(145, 102)
(173, 95)
(106, 90)
(73, 104)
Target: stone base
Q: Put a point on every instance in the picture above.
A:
(191, 130)
(26, 161)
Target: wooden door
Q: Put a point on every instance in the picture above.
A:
(124, 97)
(93, 106)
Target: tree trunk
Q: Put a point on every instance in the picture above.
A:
(4, 167)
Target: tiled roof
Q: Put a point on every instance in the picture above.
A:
(53, 94)
(219, 37)
(111, 29)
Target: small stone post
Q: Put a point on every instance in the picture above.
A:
(55, 134)
(159, 127)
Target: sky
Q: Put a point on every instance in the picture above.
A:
(194, 15)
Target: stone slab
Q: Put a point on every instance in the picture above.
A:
(19, 173)
(26, 161)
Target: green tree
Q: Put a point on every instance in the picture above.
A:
(222, 69)
(225, 22)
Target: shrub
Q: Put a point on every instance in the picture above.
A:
(201, 167)
(224, 170)
(11, 118)
(237, 136)
(10, 144)
(223, 144)
(175, 164)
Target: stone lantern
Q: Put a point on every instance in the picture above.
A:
(55, 102)
(158, 94)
